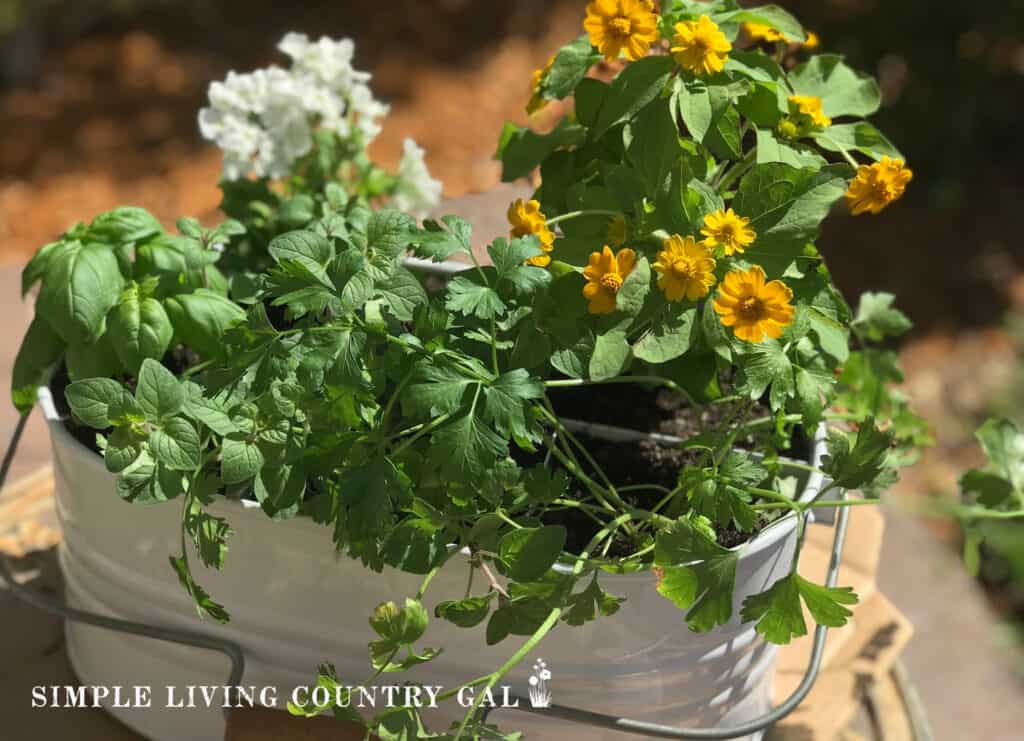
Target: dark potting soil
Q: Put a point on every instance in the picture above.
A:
(645, 462)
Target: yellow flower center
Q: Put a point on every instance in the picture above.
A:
(750, 308)
(611, 281)
(684, 269)
(621, 26)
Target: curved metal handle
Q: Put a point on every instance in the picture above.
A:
(655, 730)
(42, 602)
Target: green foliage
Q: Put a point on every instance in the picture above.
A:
(290, 356)
(779, 616)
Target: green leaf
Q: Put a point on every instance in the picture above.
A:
(176, 444)
(465, 613)
(767, 15)
(723, 505)
(79, 288)
(472, 299)
(38, 266)
(703, 103)
(789, 203)
(725, 140)
(669, 338)
(414, 546)
(813, 390)
(524, 149)
(310, 249)
(768, 365)
(388, 234)
(124, 224)
(241, 460)
(158, 393)
(589, 98)
(877, 320)
(467, 447)
(521, 616)
(211, 412)
(990, 489)
(633, 293)
(1004, 446)
(772, 148)
(506, 401)
(860, 137)
(636, 86)
(843, 91)
(528, 553)
(439, 242)
(586, 605)
(778, 613)
(653, 143)
(40, 350)
(201, 318)
(436, 389)
(124, 447)
(611, 355)
(707, 591)
(210, 535)
(372, 492)
(402, 293)
(856, 466)
(570, 68)
(90, 400)
(205, 603)
(138, 328)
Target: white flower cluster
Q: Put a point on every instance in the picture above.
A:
(263, 121)
(417, 192)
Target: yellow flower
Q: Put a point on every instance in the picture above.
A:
(813, 41)
(762, 32)
(615, 26)
(700, 47)
(526, 219)
(809, 106)
(754, 309)
(538, 101)
(605, 275)
(687, 270)
(878, 185)
(617, 231)
(729, 230)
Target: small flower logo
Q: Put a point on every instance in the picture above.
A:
(540, 695)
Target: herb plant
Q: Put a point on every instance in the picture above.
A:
(669, 246)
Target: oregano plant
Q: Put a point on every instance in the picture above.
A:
(668, 252)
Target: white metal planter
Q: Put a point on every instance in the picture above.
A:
(296, 603)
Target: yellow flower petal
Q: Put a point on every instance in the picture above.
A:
(754, 308)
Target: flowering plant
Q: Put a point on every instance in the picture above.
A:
(670, 246)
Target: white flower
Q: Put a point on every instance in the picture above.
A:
(327, 60)
(417, 192)
(545, 674)
(264, 121)
(533, 681)
(367, 109)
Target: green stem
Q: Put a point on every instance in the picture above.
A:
(738, 170)
(549, 622)
(824, 504)
(426, 429)
(576, 214)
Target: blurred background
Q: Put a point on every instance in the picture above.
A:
(98, 104)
